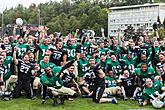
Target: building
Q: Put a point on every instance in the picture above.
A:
(138, 16)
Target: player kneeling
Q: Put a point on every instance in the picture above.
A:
(54, 84)
(69, 79)
(129, 85)
(111, 85)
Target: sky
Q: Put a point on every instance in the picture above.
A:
(13, 3)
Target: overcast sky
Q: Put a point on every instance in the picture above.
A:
(13, 3)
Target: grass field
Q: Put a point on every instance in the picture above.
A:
(77, 104)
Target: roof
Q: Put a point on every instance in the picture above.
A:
(136, 6)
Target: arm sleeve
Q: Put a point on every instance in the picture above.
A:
(67, 65)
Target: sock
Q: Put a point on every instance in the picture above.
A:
(135, 92)
(110, 99)
(34, 92)
(123, 91)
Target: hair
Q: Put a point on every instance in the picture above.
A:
(71, 65)
(32, 53)
(162, 53)
(143, 64)
(91, 58)
(102, 55)
(19, 37)
(46, 55)
(25, 54)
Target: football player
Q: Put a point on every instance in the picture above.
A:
(25, 71)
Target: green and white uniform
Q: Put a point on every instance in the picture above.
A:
(42, 50)
(44, 65)
(71, 51)
(22, 48)
(7, 62)
(150, 73)
(114, 66)
(52, 81)
(147, 92)
(82, 67)
(110, 82)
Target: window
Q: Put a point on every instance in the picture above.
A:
(150, 30)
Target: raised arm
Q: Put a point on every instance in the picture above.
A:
(77, 30)
(99, 70)
(14, 55)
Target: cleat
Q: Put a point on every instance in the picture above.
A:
(55, 104)
(114, 101)
(43, 102)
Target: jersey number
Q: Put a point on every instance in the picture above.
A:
(24, 69)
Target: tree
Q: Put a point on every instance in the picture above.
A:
(161, 33)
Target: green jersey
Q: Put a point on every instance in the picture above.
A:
(103, 51)
(44, 65)
(147, 92)
(156, 49)
(82, 67)
(85, 47)
(7, 62)
(131, 50)
(51, 81)
(22, 48)
(147, 74)
(110, 82)
(114, 50)
(129, 63)
(157, 86)
(71, 51)
(42, 50)
(114, 66)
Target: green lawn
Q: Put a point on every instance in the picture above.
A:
(77, 104)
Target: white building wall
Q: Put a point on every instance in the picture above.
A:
(162, 13)
(137, 16)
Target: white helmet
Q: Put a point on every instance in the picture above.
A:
(156, 103)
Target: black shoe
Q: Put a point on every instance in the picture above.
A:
(140, 101)
(55, 104)
(62, 99)
(43, 102)
(86, 96)
(125, 98)
(33, 97)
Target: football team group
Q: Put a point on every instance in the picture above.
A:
(58, 68)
